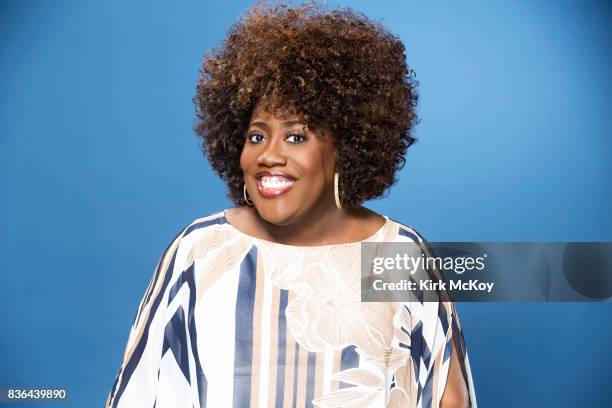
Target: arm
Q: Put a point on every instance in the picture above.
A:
(455, 393)
(136, 382)
(447, 383)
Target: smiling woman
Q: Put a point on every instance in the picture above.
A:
(290, 171)
(306, 114)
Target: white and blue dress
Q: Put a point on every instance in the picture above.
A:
(230, 320)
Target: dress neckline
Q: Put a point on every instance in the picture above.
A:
(371, 238)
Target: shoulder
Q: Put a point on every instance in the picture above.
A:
(202, 228)
(203, 224)
(408, 232)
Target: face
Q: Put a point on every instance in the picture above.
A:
(288, 169)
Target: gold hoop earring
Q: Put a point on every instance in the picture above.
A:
(337, 191)
(244, 194)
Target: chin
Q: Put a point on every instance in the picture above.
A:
(277, 212)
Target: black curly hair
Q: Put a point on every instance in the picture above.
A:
(337, 69)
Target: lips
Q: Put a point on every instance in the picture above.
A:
(274, 184)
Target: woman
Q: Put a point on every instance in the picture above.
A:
(306, 114)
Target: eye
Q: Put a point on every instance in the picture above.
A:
(296, 138)
(255, 138)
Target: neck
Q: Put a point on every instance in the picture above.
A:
(319, 227)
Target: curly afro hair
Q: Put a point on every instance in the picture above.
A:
(338, 70)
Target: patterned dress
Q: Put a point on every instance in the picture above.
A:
(230, 320)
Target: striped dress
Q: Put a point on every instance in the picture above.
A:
(230, 320)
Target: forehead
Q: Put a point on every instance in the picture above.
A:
(270, 109)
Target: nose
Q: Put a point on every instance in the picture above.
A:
(272, 154)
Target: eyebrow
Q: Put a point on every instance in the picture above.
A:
(288, 123)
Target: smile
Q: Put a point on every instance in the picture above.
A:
(273, 185)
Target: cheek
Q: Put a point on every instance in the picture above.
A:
(311, 167)
(246, 158)
(316, 165)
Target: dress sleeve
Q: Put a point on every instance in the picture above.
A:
(137, 382)
(429, 330)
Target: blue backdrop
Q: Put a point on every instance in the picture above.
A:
(100, 168)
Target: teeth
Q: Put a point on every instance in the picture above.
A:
(274, 182)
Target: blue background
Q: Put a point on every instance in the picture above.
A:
(100, 168)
